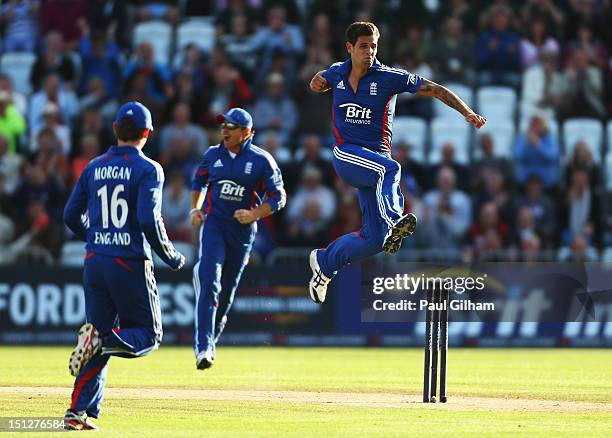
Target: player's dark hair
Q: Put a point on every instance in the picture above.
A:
(361, 28)
(126, 131)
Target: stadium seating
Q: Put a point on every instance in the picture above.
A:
(503, 133)
(159, 34)
(199, 32)
(496, 103)
(589, 130)
(445, 131)
(463, 91)
(606, 256)
(72, 254)
(412, 131)
(18, 65)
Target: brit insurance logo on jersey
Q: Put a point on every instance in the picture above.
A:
(357, 114)
(230, 191)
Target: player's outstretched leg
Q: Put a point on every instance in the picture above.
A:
(400, 230)
(88, 345)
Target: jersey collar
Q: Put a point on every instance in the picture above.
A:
(245, 146)
(123, 150)
(347, 66)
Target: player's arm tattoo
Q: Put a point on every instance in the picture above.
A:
(443, 94)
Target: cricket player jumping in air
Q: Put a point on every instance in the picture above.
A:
(364, 94)
(120, 193)
(234, 175)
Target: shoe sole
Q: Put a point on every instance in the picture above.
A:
(402, 229)
(313, 266)
(77, 358)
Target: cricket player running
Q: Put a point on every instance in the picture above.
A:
(236, 184)
(364, 94)
(120, 193)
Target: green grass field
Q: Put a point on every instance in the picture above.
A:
(325, 392)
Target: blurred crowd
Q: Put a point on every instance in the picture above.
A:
(261, 54)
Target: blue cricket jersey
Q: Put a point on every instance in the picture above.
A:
(365, 118)
(240, 182)
(121, 192)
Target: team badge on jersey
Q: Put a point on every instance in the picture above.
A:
(248, 167)
(373, 88)
(340, 85)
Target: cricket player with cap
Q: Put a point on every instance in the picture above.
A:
(116, 208)
(236, 184)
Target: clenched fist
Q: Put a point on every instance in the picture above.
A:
(319, 84)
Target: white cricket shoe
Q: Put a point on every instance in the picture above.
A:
(88, 345)
(205, 360)
(319, 281)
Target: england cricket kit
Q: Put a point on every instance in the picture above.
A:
(231, 182)
(116, 208)
(363, 122)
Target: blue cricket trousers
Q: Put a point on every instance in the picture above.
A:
(122, 303)
(377, 177)
(225, 247)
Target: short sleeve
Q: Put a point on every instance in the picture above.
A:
(404, 81)
(331, 74)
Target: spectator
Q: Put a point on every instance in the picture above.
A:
(109, 17)
(414, 177)
(53, 59)
(452, 54)
(275, 110)
(348, 217)
(537, 153)
(525, 226)
(10, 167)
(592, 47)
(19, 19)
(488, 163)
(542, 207)
(545, 11)
(12, 124)
(52, 120)
(191, 62)
(582, 158)
(579, 251)
(446, 215)
(583, 215)
(228, 90)
(89, 149)
(165, 10)
(97, 97)
(311, 188)
(278, 37)
(176, 203)
(310, 154)
(100, 58)
(227, 10)
(583, 91)
(237, 44)
(52, 91)
(64, 16)
(497, 55)
(413, 45)
(179, 155)
(537, 42)
(308, 228)
(490, 234)
(448, 160)
(270, 142)
(190, 96)
(542, 86)
(461, 10)
(92, 123)
(311, 118)
(409, 104)
(320, 36)
(19, 99)
(182, 130)
(156, 76)
(494, 190)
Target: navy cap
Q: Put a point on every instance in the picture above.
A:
(237, 116)
(137, 112)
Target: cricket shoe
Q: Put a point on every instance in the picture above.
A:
(88, 345)
(319, 281)
(75, 421)
(402, 229)
(205, 360)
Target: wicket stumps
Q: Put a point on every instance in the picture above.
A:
(436, 341)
